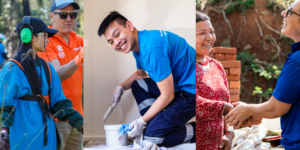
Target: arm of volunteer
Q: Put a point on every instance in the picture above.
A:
(270, 109)
(65, 71)
(65, 111)
(166, 87)
(285, 94)
(139, 74)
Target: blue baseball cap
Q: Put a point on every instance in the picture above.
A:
(60, 4)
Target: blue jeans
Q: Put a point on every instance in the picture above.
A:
(169, 127)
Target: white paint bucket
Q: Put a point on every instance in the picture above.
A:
(111, 135)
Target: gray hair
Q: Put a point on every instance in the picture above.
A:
(201, 16)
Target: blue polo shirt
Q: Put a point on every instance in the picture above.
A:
(287, 90)
(163, 53)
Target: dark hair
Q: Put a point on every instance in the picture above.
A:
(113, 16)
(201, 16)
(24, 57)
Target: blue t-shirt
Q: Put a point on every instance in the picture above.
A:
(287, 90)
(2, 48)
(28, 122)
(162, 53)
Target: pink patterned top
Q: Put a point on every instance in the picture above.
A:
(211, 95)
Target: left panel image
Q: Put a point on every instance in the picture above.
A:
(41, 75)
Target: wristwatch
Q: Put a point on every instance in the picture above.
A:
(230, 130)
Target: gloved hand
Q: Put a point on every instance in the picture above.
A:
(4, 139)
(81, 129)
(79, 58)
(115, 98)
(137, 127)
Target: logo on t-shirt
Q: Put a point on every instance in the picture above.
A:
(148, 72)
(61, 53)
(162, 32)
(78, 48)
(59, 48)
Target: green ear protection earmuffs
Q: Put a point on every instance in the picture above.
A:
(26, 33)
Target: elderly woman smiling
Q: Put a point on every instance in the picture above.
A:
(212, 93)
(285, 100)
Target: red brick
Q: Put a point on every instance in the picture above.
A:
(235, 91)
(211, 55)
(234, 84)
(233, 78)
(224, 50)
(226, 71)
(234, 98)
(231, 64)
(234, 71)
(230, 57)
(220, 57)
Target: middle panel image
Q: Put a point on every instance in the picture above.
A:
(139, 74)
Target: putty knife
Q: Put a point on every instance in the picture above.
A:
(108, 112)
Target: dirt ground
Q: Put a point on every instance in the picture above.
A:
(246, 32)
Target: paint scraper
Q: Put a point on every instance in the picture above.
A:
(108, 112)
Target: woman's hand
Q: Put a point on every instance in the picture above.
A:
(226, 142)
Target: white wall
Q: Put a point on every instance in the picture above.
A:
(104, 68)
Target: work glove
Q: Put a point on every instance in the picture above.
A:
(81, 129)
(79, 58)
(116, 97)
(136, 127)
(4, 139)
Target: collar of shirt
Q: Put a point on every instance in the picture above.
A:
(295, 47)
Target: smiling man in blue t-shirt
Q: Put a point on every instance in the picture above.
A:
(166, 100)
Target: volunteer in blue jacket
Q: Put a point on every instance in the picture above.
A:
(166, 100)
(28, 101)
(285, 100)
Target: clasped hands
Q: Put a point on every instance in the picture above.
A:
(239, 115)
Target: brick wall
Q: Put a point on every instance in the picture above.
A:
(232, 67)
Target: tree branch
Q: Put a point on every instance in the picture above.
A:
(227, 21)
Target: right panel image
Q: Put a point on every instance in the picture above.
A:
(247, 69)
(139, 74)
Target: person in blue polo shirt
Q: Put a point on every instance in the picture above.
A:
(31, 93)
(166, 100)
(285, 102)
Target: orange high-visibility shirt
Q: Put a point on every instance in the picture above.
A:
(57, 48)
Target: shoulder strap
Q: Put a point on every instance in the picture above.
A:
(15, 61)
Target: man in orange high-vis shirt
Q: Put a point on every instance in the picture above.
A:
(65, 52)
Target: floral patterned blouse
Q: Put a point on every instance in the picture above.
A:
(211, 95)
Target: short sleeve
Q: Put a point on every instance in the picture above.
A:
(49, 54)
(56, 89)
(157, 64)
(287, 89)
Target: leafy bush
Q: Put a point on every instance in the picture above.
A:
(240, 6)
(261, 69)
